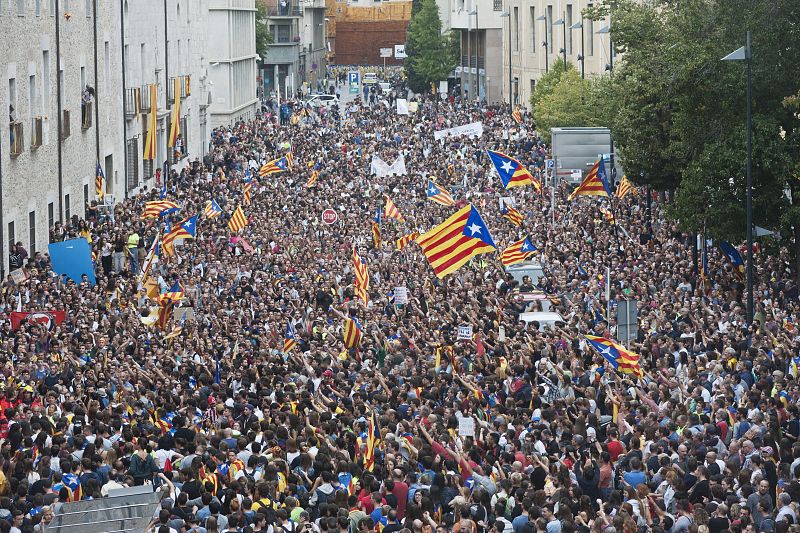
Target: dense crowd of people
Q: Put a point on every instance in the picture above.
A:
(519, 429)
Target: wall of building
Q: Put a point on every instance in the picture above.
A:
(362, 23)
(359, 43)
(147, 47)
(232, 61)
(528, 61)
(33, 196)
(479, 23)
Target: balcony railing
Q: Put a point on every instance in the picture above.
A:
(66, 130)
(17, 140)
(86, 115)
(288, 10)
(185, 87)
(144, 99)
(36, 132)
(133, 102)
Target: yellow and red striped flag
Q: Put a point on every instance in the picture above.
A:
(373, 438)
(312, 180)
(352, 333)
(517, 115)
(594, 184)
(175, 127)
(512, 215)
(212, 209)
(248, 187)
(238, 220)
(625, 188)
(362, 277)
(289, 340)
(158, 208)
(455, 241)
(150, 139)
(517, 252)
(390, 210)
(607, 214)
(403, 241)
(376, 235)
(99, 182)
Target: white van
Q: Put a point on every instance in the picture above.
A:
(545, 319)
(370, 78)
(526, 268)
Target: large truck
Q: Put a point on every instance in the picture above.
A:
(575, 150)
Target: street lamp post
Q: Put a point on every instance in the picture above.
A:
(563, 22)
(477, 69)
(510, 101)
(581, 57)
(745, 54)
(544, 43)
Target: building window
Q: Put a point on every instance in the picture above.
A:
(20, 7)
(45, 82)
(516, 29)
(12, 237)
(533, 30)
(106, 68)
(516, 90)
(67, 209)
(38, 7)
(132, 162)
(88, 8)
(498, 5)
(32, 233)
(51, 213)
(568, 22)
(549, 24)
(533, 85)
(147, 169)
(86, 195)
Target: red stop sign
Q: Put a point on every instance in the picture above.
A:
(329, 216)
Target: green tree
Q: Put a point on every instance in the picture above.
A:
(546, 84)
(264, 37)
(431, 55)
(573, 102)
(680, 120)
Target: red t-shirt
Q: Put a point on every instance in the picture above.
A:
(401, 493)
(723, 429)
(615, 449)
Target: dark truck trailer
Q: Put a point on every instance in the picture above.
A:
(575, 151)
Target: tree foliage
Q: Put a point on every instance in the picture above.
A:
(679, 111)
(571, 101)
(431, 55)
(264, 37)
(547, 83)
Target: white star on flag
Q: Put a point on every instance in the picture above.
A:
(507, 166)
(474, 228)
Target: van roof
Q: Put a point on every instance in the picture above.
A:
(541, 316)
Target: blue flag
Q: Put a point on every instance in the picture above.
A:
(72, 258)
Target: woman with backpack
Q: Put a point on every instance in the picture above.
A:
(143, 466)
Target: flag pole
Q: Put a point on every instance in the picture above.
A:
(553, 197)
(608, 295)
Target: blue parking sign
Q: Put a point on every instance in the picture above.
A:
(353, 77)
